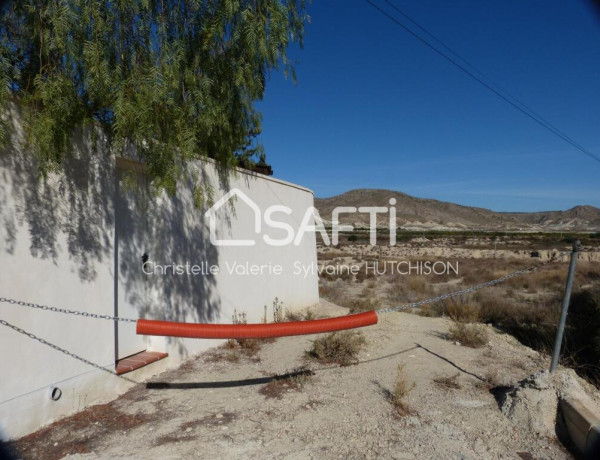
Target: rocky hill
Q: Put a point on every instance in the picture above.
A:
(422, 213)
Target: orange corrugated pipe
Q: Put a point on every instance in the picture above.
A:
(254, 331)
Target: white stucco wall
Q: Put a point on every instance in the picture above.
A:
(57, 247)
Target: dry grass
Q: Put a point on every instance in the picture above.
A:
(47, 443)
(418, 285)
(448, 382)
(462, 310)
(233, 350)
(335, 292)
(363, 274)
(365, 302)
(218, 356)
(470, 335)
(280, 385)
(400, 392)
(338, 347)
(278, 314)
(409, 288)
(431, 310)
(305, 315)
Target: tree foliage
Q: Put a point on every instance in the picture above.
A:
(176, 79)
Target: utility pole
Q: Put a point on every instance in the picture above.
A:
(565, 307)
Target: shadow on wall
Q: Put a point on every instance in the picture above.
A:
(164, 230)
(70, 218)
(73, 203)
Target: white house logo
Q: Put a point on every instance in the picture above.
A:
(212, 218)
(311, 222)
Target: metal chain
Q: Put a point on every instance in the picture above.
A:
(115, 318)
(477, 287)
(57, 348)
(64, 310)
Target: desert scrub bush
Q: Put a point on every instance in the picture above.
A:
(418, 285)
(278, 314)
(338, 347)
(305, 315)
(400, 392)
(363, 274)
(582, 338)
(248, 347)
(228, 353)
(395, 292)
(405, 288)
(334, 292)
(432, 310)
(470, 335)
(462, 310)
(281, 384)
(365, 302)
(333, 274)
(448, 382)
(533, 324)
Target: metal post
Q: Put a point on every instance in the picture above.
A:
(565, 307)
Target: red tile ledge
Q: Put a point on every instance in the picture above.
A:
(133, 362)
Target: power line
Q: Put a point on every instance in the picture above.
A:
(547, 124)
(491, 86)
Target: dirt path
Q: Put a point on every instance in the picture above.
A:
(212, 408)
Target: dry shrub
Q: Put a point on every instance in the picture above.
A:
(249, 346)
(470, 335)
(280, 385)
(338, 347)
(587, 272)
(305, 315)
(334, 292)
(246, 347)
(396, 292)
(277, 310)
(366, 302)
(476, 271)
(462, 311)
(492, 379)
(409, 288)
(533, 324)
(418, 285)
(228, 353)
(432, 310)
(448, 382)
(551, 279)
(341, 274)
(49, 442)
(495, 308)
(554, 278)
(363, 274)
(472, 275)
(400, 392)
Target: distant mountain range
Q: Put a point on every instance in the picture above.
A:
(421, 213)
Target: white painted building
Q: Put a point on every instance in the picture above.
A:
(78, 243)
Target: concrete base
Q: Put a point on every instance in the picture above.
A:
(583, 427)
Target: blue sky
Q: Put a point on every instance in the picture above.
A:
(375, 108)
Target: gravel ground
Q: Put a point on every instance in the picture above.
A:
(213, 408)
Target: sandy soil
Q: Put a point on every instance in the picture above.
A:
(208, 409)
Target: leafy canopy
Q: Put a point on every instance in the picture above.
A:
(176, 79)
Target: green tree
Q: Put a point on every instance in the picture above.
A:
(176, 79)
